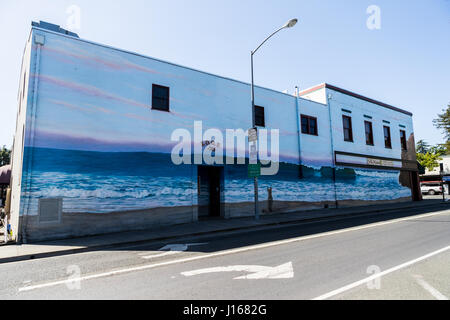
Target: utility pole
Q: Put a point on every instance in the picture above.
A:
(253, 166)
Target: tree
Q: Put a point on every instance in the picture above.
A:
(429, 160)
(429, 156)
(443, 122)
(5, 156)
(439, 150)
(422, 147)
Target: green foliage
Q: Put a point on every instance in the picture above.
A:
(422, 147)
(5, 156)
(429, 156)
(443, 122)
(429, 160)
(438, 150)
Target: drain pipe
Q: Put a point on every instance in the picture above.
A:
(329, 97)
(299, 131)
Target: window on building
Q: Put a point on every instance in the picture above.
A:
(369, 133)
(160, 97)
(348, 132)
(387, 137)
(309, 125)
(260, 120)
(403, 140)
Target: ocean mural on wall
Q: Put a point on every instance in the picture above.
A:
(102, 182)
(98, 144)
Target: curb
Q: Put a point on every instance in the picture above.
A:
(231, 229)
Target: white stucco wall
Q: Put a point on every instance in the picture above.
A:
(445, 161)
(359, 108)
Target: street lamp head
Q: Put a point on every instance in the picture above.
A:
(290, 23)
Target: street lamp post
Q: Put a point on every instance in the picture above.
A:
(289, 24)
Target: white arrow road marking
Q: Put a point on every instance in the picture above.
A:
(173, 249)
(284, 271)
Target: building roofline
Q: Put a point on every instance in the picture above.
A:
(315, 88)
(350, 93)
(312, 101)
(156, 59)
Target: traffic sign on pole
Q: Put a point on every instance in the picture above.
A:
(254, 170)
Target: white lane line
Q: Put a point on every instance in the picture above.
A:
(227, 252)
(378, 275)
(433, 291)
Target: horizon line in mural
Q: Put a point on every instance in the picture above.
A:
(209, 147)
(61, 141)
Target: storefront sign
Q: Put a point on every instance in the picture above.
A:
(343, 158)
(380, 163)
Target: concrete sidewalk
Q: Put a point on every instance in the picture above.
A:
(13, 252)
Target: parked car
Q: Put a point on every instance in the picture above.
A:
(431, 188)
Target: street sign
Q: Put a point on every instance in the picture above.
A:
(252, 135)
(254, 170)
(253, 155)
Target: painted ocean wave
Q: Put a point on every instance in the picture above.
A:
(100, 183)
(368, 187)
(101, 194)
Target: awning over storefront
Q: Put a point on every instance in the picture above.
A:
(5, 174)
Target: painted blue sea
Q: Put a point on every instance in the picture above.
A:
(101, 182)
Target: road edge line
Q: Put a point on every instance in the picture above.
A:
(379, 275)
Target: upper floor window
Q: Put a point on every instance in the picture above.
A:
(160, 97)
(348, 132)
(309, 125)
(387, 137)
(369, 133)
(403, 140)
(260, 120)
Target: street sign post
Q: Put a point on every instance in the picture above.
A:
(254, 170)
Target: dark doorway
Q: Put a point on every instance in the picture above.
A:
(209, 191)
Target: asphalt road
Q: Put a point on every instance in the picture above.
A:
(330, 259)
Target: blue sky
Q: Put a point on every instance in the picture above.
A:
(405, 63)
